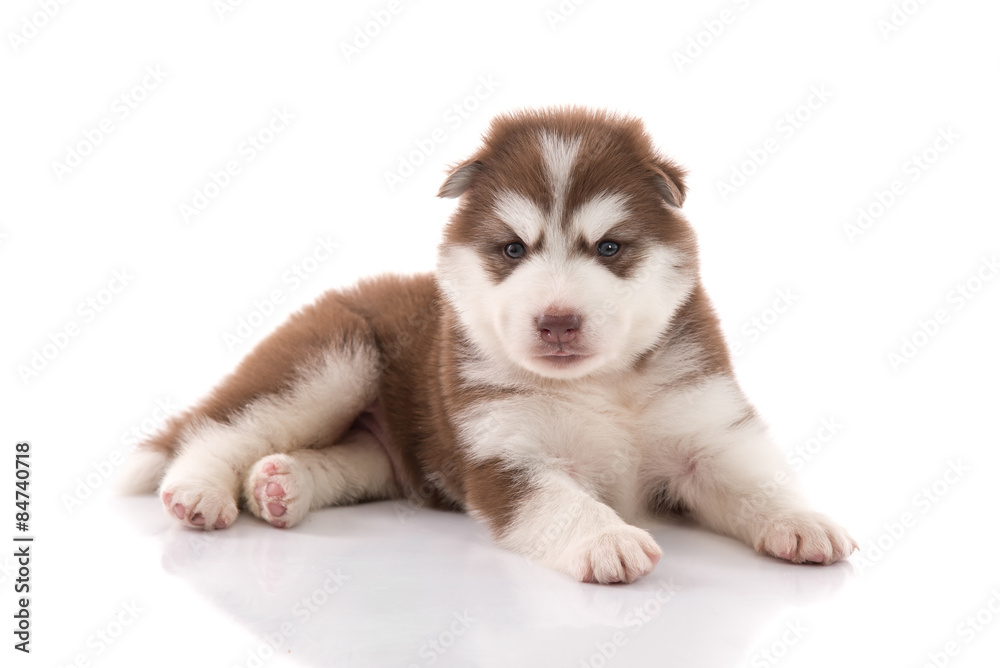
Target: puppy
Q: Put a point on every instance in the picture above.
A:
(560, 375)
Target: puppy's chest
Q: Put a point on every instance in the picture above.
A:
(595, 433)
(601, 422)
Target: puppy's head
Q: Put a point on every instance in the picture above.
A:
(568, 253)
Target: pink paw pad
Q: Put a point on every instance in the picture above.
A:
(199, 507)
(271, 494)
(275, 491)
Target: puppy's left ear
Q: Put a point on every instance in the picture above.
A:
(460, 179)
(669, 182)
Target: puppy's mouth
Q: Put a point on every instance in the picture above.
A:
(561, 355)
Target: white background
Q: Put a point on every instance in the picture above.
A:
(89, 359)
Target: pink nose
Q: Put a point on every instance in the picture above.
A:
(558, 328)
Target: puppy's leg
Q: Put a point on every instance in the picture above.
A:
(547, 516)
(303, 386)
(720, 462)
(283, 488)
(202, 485)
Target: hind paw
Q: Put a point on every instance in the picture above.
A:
(278, 491)
(199, 507)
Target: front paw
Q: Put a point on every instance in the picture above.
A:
(623, 554)
(805, 537)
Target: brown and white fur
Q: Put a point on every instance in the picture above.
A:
(551, 384)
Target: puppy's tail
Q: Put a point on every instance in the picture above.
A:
(145, 466)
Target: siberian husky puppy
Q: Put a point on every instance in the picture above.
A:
(560, 375)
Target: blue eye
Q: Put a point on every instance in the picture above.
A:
(514, 251)
(607, 248)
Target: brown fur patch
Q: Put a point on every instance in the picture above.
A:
(495, 491)
(697, 323)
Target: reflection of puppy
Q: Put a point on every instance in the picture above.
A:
(561, 374)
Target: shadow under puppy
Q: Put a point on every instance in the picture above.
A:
(561, 374)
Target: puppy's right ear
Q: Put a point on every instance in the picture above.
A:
(460, 179)
(669, 182)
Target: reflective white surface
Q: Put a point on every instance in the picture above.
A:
(384, 585)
